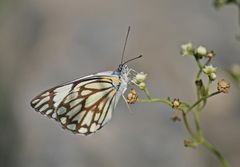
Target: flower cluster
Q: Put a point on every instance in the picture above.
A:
(210, 71)
(203, 58)
(199, 52)
(140, 79)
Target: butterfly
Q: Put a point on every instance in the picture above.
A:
(85, 105)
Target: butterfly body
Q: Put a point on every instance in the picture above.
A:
(84, 105)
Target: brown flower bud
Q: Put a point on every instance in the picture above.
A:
(132, 96)
(211, 54)
(223, 86)
(176, 103)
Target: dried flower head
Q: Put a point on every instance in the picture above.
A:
(176, 117)
(190, 143)
(223, 86)
(176, 103)
(132, 97)
(210, 54)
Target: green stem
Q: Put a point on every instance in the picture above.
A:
(198, 62)
(207, 62)
(197, 122)
(214, 150)
(156, 100)
(200, 68)
(147, 93)
(187, 125)
(200, 100)
(195, 112)
(198, 138)
(206, 94)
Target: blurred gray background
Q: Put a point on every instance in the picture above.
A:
(46, 42)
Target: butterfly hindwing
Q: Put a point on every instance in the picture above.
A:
(47, 102)
(89, 105)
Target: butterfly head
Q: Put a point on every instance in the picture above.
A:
(123, 69)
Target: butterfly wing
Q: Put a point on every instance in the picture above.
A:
(81, 106)
(47, 102)
(89, 105)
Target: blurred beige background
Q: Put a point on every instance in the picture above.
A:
(46, 42)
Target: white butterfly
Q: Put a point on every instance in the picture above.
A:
(85, 105)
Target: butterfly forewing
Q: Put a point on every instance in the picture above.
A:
(89, 105)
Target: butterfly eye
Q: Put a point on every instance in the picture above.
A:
(120, 67)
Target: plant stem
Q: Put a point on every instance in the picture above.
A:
(200, 68)
(200, 100)
(197, 137)
(147, 93)
(187, 125)
(214, 150)
(156, 100)
(197, 121)
(206, 94)
(195, 112)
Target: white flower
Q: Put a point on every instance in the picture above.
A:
(235, 70)
(141, 77)
(187, 49)
(209, 69)
(201, 51)
(212, 76)
(142, 85)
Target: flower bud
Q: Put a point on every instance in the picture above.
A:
(201, 51)
(141, 77)
(212, 76)
(209, 69)
(187, 49)
(142, 85)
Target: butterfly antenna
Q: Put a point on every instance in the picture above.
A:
(125, 44)
(132, 59)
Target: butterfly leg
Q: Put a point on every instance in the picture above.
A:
(129, 109)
